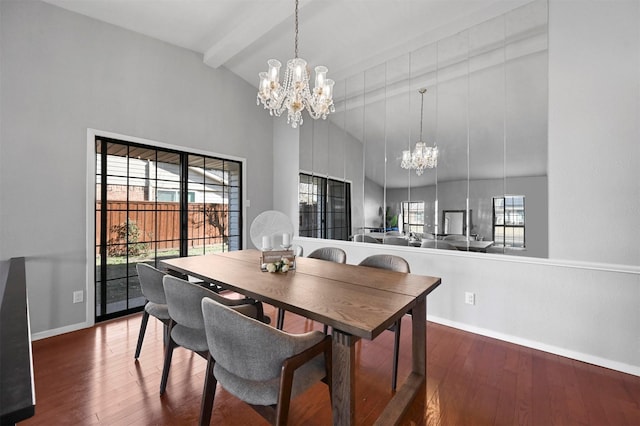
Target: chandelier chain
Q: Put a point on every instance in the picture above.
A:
(421, 110)
(296, 32)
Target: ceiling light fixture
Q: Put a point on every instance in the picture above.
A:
(294, 94)
(423, 156)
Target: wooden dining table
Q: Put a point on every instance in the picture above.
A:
(355, 301)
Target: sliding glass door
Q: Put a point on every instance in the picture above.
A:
(154, 204)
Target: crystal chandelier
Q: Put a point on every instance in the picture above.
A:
(423, 156)
(294, 94)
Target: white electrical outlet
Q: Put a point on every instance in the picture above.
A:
(78, 296)
(469, 298)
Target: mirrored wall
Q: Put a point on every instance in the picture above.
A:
(480, 98)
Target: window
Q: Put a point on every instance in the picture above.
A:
(324, 207)
(154, 204)
(413, 216)
(508, 221)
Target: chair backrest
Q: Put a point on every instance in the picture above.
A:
(364, 238)
(151, 283)
(247, 348)
(183, 301)
(396, 241)
(437, 244)
(332, 254)
(387, 261)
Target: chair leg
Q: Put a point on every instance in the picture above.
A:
(165, 335)
(167, 362)
(208, 393)
(143, 328)
(326, 329)
(280, 321)
(396, 351)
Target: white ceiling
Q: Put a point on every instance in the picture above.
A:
(349, 37)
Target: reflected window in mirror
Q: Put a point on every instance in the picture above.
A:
(413, 217)
(324, 207)
(508, 221)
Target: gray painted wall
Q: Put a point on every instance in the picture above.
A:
(62, 73)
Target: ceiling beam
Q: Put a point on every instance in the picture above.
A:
(253, 27)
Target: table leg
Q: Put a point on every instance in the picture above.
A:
(343, 378)
(409, 400)
(419, 337)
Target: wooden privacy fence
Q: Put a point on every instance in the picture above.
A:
(158, 223)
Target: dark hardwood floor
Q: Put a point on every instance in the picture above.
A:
(90, 377)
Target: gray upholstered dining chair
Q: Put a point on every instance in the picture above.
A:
(364, 238)
(186, 327)
(395, 240)
(332, 254)
(156, 306)
(398, 264)
(258, 364)
(393, 234)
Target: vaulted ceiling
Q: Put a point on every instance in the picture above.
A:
(346, 36)
(354, 36)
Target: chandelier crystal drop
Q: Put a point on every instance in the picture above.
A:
(294, 94)
(423, 156)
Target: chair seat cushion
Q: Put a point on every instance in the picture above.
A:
(157, 310)
(190, 338)
(266, 392)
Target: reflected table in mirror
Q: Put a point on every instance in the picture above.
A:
(472, 245)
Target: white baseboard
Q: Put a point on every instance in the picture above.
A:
(61, 330)
(602, 362)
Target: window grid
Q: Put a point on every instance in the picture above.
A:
(324, 207)
(413, 216)
(509, 221)
(140, 216)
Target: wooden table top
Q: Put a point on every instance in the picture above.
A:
(358, 300)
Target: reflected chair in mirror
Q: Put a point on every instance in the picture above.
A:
(395, 241)
(156, 306)
(455, 237)
(437, 244)
(186, 327)
(495, 249)
(364, 238)
(393, 234)
(397, 264)
(331, 254)
(258, 364)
